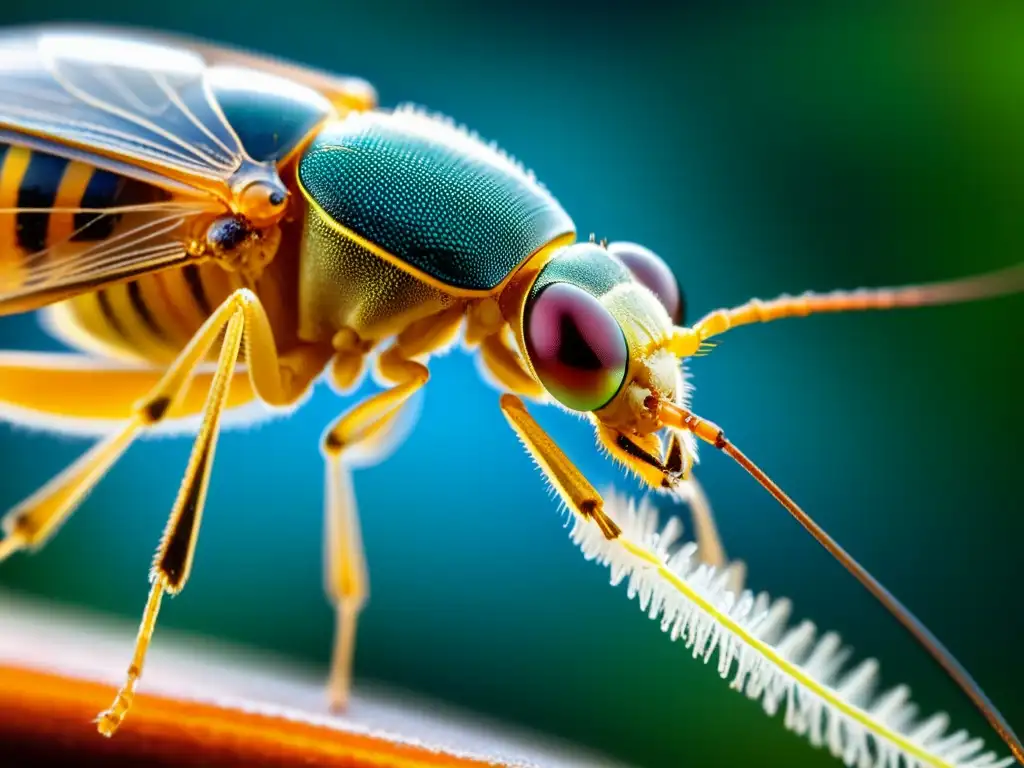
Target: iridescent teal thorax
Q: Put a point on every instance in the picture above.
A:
(432, 196)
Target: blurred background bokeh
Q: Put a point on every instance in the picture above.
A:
(760, 151)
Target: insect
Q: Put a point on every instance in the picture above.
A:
(211, 228)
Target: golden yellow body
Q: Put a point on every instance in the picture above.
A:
(156, 246)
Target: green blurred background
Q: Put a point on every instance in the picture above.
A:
(760, 151)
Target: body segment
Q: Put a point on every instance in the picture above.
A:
(57, 210)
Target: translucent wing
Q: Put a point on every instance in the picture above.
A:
(344, 91)
(103, 245)
(134, 116)
(141, 102)
(136, 125)
(149, 110)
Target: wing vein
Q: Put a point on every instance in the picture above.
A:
(176, 99)
(138, 120)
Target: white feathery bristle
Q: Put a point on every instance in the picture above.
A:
(788, 667)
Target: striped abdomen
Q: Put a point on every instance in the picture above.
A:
(53, 210)
(58, 213)
(154, 316)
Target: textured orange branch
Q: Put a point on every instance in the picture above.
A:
(50, 716)
(204, 704)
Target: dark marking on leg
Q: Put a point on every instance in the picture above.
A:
(591, 509)
(174, 563)
(156, 409)
(333, 444)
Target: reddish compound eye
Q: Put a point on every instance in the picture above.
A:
(650, 271)
(576, 347)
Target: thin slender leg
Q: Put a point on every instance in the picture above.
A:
(709, 543)
(32, 523)
(35, 520)
(173, 560)
(576, 491)
(242, 321)
(52, 390)
(584, 499)
(674, 472)
(505, 364)
(346, 577)
(365, 429)
(639, 455)
(274, 380)
(679, 468)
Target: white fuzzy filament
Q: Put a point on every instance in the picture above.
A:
(785, 666)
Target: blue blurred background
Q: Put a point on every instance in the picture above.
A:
(760, 151)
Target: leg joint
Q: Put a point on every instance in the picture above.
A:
(333, 445)
(154, 411)
(244, 298)
(394, 366)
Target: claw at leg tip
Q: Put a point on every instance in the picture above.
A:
(107, 723)
(338, 704)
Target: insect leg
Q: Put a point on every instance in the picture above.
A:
(59, 391)
(346, 577)
(346, 580)
(505, 364)
(709, 544)
(349, 361)
(52, 390)
(673, 472)
(363, 429)
(679, 464)
(173, 559)
(642, 456)
(577, 492)
(240, 319)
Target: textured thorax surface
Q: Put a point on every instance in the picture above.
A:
(342, 284)
(409, 212)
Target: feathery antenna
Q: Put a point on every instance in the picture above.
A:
(787, 667)
(679, 417)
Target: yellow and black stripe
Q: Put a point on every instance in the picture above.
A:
(150, 318)
(154, 316)
(41, 197)
(13, 164)
(53, 208)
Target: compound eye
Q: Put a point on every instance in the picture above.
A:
(576, 347)
(653, 273)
